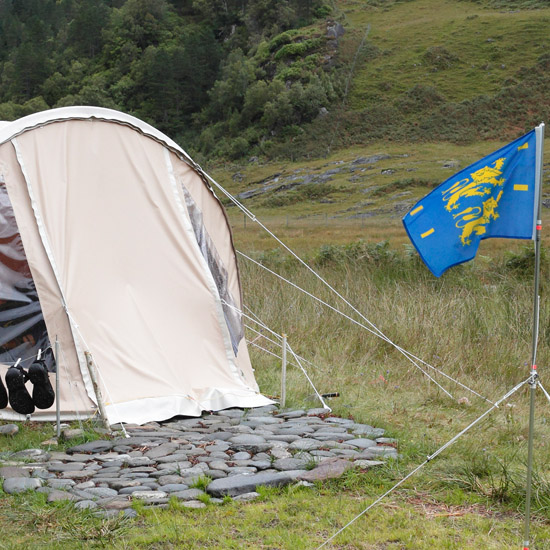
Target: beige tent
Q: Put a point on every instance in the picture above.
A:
(112, 241)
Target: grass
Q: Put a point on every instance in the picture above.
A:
(463, 49)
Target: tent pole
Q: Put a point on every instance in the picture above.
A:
(57, 403)
(536, 308)
(97, 390)
(283, 375)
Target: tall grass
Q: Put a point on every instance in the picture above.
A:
(474, 324)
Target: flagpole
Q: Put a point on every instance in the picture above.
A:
(536, 307)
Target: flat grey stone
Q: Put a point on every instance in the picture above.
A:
(175, 487)
(85, 505)
(80, 474)
(139, 461)
(219, 455)
(37, 455)
(218, 465)
(340, 421)
(64, 457)
(262, 420)
(130, 490)
(14, 485)
(111, 457)
(149, 495)
(328, 436)
(362, 443)
(67, 434)
(169, 479)
(62, 467)
(238, 485)
(249, 442)
(287, 464)
(375, 452)
(289, 438)
(85, 485)
(99, 446)
(331, 468)
(279, 452)
(101, 492)
(194, 504)
(141, 470)
(242, 456)
(261, 464)
(122, 484)
(240, 470)
(247, 497)
(55, 496)
(162, 450)
(323, 454)
(331, 429)
(116, 503)
(232, 413)
(42, 473)
(291, 414)
(13, 471)
(179, 458)
(365, 464)
(9, 429)
(188, 494)
(305, 445)
(61, 483)
(216, 474)
(365, 429)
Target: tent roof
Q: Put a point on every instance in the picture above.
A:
(9, 130)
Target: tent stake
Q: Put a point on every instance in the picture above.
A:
(57, 404)
(97, 390)
(283, 375)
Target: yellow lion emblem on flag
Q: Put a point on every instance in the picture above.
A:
(482, 183)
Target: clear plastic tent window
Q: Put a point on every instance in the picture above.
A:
(22, 327)
(219, 273)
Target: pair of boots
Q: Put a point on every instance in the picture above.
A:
(21, 402)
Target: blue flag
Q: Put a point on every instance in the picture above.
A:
(494, 197)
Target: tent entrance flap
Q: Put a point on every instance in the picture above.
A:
(22, 327)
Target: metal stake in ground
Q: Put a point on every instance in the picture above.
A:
(283, 375)
(57, 403)
(536, 308)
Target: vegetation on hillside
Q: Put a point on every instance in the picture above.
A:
(235, 78)
(241, 69)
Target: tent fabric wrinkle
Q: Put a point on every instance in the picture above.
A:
(132, 257)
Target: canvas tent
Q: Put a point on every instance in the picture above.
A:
(112, 241)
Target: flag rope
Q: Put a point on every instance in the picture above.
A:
(428, 459)
(543, 390)
(408, 355)
(289, 348)
(280, 346)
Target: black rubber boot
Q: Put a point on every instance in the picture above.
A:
(3, 395)
(20, 400)
(43, 395)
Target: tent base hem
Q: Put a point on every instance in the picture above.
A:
(143, 410)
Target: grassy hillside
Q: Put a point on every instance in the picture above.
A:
(450, 70)
(461, 49)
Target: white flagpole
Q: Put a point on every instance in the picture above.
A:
(536, 302)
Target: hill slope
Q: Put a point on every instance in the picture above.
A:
(285, 80)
